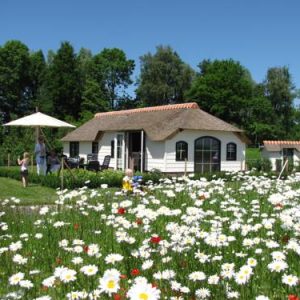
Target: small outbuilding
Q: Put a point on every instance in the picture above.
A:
(278, 151)
(175, 138)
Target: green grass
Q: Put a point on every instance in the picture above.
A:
(253, 153)
(33, 194)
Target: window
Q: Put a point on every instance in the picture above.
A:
(74, 149)
(181, 151)
(231, 151)
(112, 149)
(95, 147)
(207, 154)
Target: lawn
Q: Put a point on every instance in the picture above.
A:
(33, 194)
(181, 239)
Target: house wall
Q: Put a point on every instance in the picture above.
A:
(189, 136)
(274, 155)
(162, 155)
(155, 155)
(84, 149)
(105, 148)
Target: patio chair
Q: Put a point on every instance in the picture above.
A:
(92, 157)
(74, 162)
(105, 163)
(94, 165)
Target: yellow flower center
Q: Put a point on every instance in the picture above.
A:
(111, 284)
(143, 296)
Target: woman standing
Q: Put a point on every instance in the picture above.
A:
(40, 156)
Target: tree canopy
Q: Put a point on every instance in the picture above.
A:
(164, 78)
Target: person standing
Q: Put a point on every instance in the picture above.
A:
(24, 168)
(40, 156)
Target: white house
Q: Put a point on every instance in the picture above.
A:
(172, 138)
(278, 151)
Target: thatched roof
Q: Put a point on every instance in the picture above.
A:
(279, 145)
(159, 122)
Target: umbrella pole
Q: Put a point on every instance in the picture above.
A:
(62, 173)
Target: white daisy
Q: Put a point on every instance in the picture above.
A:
(16, 278)
(89, 270)
(143, 291)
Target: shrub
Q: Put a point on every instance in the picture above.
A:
(263, 164)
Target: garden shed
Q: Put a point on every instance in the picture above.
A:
(175, 138)
(278, 151)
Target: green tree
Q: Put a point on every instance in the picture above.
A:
(14, 78)
(280, 90)
(261, 124)
(93, 99)
(63, 83)
(37, 73)
(113, 70)
(164, 78)
(223, 88)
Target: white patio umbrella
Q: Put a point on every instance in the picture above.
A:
(39, 119)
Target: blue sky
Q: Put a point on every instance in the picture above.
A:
(258, 33)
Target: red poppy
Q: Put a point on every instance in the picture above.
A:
(86, 249)
(285, 239)
(202, 197)
(121, 210)
(293, 297)
(76, 226)
(139, 221)
(135, 272)
(154, 285)
(117, 297)
(58, 260)
(155, 239)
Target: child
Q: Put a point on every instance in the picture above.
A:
(24, 168)
(127, 180)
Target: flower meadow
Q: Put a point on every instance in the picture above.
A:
(179, 239)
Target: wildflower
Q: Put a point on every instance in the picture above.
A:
(19, 259)
(147, 264)
(144, 291)
(121, 211)
(277, 266)
(135, 272)
(77, 260)
(109, 283)
(89, 270)
(68, 275)
(290, 280)
(202, 293)
(195, 276)
(16, 278)
(27, 284)
(49, 282)
(155, 239)
(15, 246)
(113, 258)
